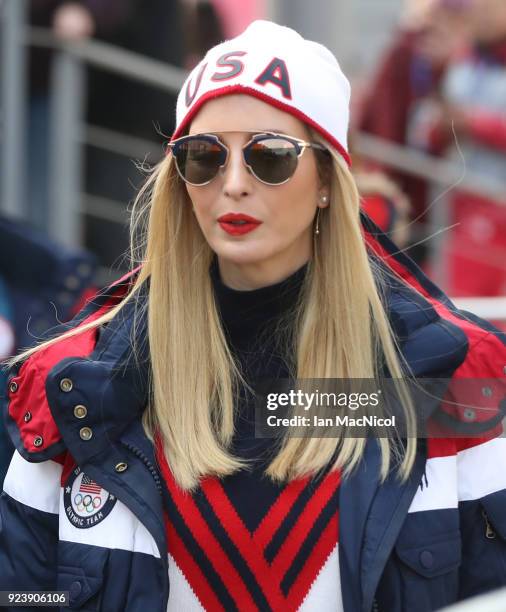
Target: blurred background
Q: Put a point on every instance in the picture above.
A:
(87, 99)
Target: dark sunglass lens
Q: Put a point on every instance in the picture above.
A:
(272, 160)
(199, 160)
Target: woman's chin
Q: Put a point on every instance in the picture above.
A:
(242, 253)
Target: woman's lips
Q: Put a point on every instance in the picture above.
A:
(238, 230)
(238, 224)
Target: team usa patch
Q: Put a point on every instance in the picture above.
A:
(86, 502)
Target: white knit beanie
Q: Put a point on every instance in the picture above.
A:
(277, 65)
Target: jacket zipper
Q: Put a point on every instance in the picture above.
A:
(152, 469)
(489, 530)
(375, 606)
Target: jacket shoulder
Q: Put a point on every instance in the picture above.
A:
(436, 338)
(25, 406)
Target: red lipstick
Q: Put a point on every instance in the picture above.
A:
(237, 224)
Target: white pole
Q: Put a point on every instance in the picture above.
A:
(67, 108)
(13, 107)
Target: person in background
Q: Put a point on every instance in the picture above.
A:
(406, 81)
(235, 16)
(204, 28)
(114, 100)
(472, 112)
(72, 21)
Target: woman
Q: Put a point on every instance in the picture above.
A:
(137, 468)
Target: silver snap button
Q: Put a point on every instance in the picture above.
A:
(38, 441)
(121, 467)
(80, 411)
(469, 414)
(13, 386)
(66, 385)
(27, 417)
(486, 391)
(85, 433)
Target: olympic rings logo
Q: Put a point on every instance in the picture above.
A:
(87, 503)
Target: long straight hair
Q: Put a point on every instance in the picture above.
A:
(194, 377)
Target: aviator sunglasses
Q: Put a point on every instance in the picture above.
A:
(270, 157)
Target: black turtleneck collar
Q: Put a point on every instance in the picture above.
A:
(245, 313)
(249, 321)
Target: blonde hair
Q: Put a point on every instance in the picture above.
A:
(194, 378)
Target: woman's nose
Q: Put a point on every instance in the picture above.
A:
(237, 180)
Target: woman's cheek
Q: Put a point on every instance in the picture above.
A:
(203, 212)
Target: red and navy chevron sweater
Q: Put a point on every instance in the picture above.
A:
(244, 542)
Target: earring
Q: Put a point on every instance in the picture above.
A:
(317, 228)
(324, 199)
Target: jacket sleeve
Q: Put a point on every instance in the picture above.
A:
(32, 497)
(481, 468)
(29, 509)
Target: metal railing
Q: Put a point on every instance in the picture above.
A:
(69, 133)
(492, 308)
(13, 97)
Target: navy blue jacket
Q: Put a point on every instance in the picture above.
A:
(76, 408)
